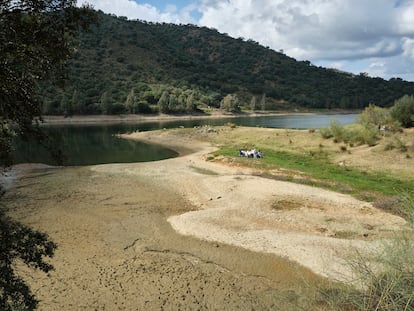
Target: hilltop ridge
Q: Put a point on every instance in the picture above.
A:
(124, 66)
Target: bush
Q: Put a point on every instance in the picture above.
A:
(403, 111)
(325, 132)
(359, 134)
(383, 280)
(230, 103)
(143, 107)
(396, 143)
(365, 135)
(117, 108)
(338, 131)
(374, 116)
(405, 208)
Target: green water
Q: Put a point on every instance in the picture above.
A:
(97, 144)
(87, 145)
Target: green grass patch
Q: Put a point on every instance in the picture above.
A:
(319, 172)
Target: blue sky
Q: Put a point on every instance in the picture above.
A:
(371, 36)
(162, 4)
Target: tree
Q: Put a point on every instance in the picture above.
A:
(376, 116)
(66, 106)
(163, 102)
(230, 103)
(263, 102)
(172, 103)
(106, 103)
(143, 107)
(190, 104)
(403, 111)
(36, 38)
(130, 103)
(253, 103)
(30, 246)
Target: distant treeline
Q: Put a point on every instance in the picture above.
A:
(140, 67)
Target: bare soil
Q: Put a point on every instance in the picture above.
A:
(188, 233)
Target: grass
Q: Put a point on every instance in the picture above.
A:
(319, 172)
(383, 280)
(387, 285)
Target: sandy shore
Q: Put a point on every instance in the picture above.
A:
(313, 227)
(134, 118)
(80, 119)
(188, 234)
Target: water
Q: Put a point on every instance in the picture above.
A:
(87, 145)
(281, 121)
(297, 121)
(97, 144)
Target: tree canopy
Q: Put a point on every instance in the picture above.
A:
(119, 55)
(403, 111)
(36, 39)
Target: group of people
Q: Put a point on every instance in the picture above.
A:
(251, 153)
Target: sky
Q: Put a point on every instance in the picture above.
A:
(359, 36)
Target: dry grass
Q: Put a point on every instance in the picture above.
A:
(367, 158)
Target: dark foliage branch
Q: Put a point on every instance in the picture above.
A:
(37, 37)
(19, 242)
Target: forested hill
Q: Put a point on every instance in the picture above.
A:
(134, 66)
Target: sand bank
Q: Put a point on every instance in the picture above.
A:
(188, 233)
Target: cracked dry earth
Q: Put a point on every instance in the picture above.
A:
(188, 234)
(118, 252)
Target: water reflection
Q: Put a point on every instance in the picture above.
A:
(86, 145)
(97, 144)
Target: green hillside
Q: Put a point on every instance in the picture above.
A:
(133, 66)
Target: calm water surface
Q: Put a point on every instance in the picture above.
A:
(96, 144)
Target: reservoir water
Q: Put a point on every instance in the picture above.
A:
(97, 144)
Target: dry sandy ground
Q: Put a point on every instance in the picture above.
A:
(188, 234)
(308, 225)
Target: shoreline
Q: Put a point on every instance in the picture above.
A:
(189, 232)
(235, 207)
(143, 118)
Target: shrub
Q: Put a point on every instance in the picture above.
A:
(358, 134)
(365, 135)
(405, 208)
(396, 143)
(143, 107)
(403, 111)
(384, 281)
(230, 103)
(402, 146)
(389, 146)
(337, 131)
(374, 116)
(325, 132)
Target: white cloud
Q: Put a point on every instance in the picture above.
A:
(408, 47)
(405, 17)
(358, 34)
(143, 11)
(316, 30)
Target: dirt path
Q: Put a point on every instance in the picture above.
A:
(187, 234)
